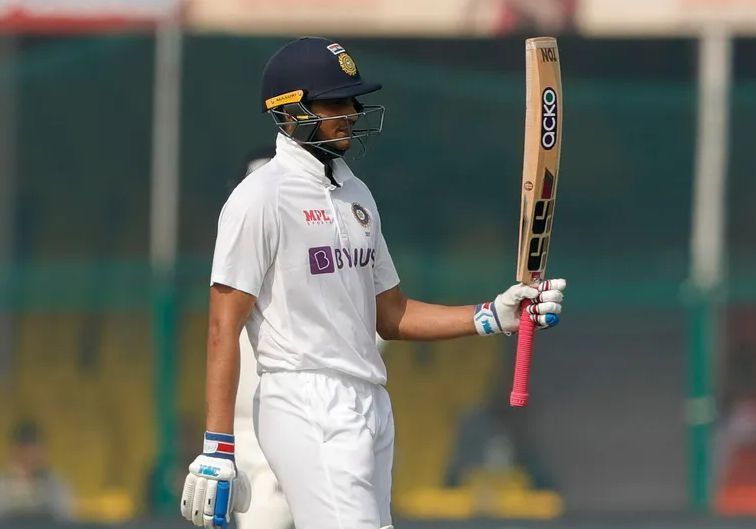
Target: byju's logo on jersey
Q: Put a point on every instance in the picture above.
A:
(326, 260)
(316, 216)
(321, 260)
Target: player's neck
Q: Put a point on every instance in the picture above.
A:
(326, 158)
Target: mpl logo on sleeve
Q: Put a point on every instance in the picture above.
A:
(317, 216)
(549, 118)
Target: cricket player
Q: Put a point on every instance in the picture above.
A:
(300, 262)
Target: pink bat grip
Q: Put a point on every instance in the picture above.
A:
(519, 395)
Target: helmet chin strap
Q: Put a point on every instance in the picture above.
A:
(327, 154)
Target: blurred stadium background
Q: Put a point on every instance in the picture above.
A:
(124, 124)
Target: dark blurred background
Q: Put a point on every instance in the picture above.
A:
(643, 401)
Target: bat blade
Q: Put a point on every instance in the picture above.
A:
(540, 175)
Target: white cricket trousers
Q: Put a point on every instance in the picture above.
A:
(329, 439)
(268, 509)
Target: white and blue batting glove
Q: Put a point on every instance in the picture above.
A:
(214, 489)
(502, 315)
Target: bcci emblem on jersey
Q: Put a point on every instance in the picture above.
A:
(361, 214)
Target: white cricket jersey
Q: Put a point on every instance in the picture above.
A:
(314, 256)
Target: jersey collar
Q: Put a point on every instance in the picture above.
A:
(295, 156)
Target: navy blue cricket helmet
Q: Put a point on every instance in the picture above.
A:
(310, 69)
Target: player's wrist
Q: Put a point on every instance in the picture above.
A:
(487, 319)
(220, 445)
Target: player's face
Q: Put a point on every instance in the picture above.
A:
(335, 128)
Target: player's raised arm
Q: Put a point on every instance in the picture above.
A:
(401, 318)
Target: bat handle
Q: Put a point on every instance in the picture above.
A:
(519, 395)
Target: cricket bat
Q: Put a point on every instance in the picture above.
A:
(540, 171)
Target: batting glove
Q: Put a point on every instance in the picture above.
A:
(213, 489)
(502, 315)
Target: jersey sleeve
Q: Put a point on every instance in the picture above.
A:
(384, 276)
(247, 242)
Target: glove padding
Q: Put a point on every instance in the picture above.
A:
(502, 315)
(201, 489)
